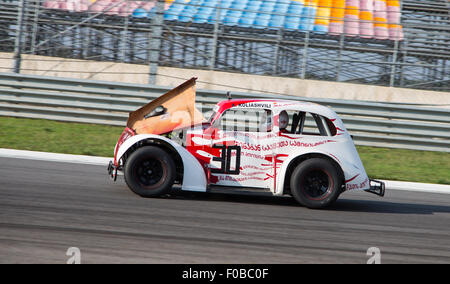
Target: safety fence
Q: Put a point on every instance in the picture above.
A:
(87, 101)
(374, 42)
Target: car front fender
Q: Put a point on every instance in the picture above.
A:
(194, 178)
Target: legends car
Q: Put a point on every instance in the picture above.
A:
(283, 147)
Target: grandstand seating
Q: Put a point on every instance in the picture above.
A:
(378, 19)
(337, 15)
(366, 19)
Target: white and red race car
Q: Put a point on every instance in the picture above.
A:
(283, 147)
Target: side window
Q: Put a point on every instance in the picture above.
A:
(311, 126)
(246, 120)
(305, 123)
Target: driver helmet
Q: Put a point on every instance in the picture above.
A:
(283, 120)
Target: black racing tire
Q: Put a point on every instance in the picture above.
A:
(150, 171)
(315, 183)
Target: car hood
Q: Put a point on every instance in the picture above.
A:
(173, 110)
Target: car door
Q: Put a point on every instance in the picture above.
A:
(244, 156)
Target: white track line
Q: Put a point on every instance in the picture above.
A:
(415, 186)
(54, 157)
(103, 161)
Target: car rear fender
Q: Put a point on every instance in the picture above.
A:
(351, 173)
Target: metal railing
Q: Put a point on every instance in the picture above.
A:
(372, 124)
(420, 61)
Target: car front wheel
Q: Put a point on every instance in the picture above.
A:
(150, 171)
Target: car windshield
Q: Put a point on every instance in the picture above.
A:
(245, 119)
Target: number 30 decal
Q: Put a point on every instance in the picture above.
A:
(225, 160)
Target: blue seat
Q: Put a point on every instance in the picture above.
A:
(238, 6)
(185, 17)
(296, 5)
(272, 14)
(173, 12)
(140, 13)
(308, 18)
(176, 7)
(320, 29)
(200, 19)
(254, 6)
(232, 19)
(267, 7)
(205, 10)
(170, 17)
(281, 7)
(247, 19)
(276, 21)
(210, 3)
(190, 9)
(264, 15)
(249, 14)
(262, 21)
(295, 10)
(254, 3)
(291, 23)
(203, 14)
(213, 16)
(211, 19)
(224, 4)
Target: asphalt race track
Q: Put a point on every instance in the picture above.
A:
(47, 207)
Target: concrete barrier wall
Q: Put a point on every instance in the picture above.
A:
(217, 80)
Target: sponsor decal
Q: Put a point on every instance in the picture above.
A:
(256, 105)
(252, 167)
(361, 185)
(253, 173)
(238, 179)
(240, 134)
(304, 144)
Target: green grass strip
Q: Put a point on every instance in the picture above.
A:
(99, 140)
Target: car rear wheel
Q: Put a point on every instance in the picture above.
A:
(315, 183)
(150, 171)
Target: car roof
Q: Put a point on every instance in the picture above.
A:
(259, 103)
(276, 105)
